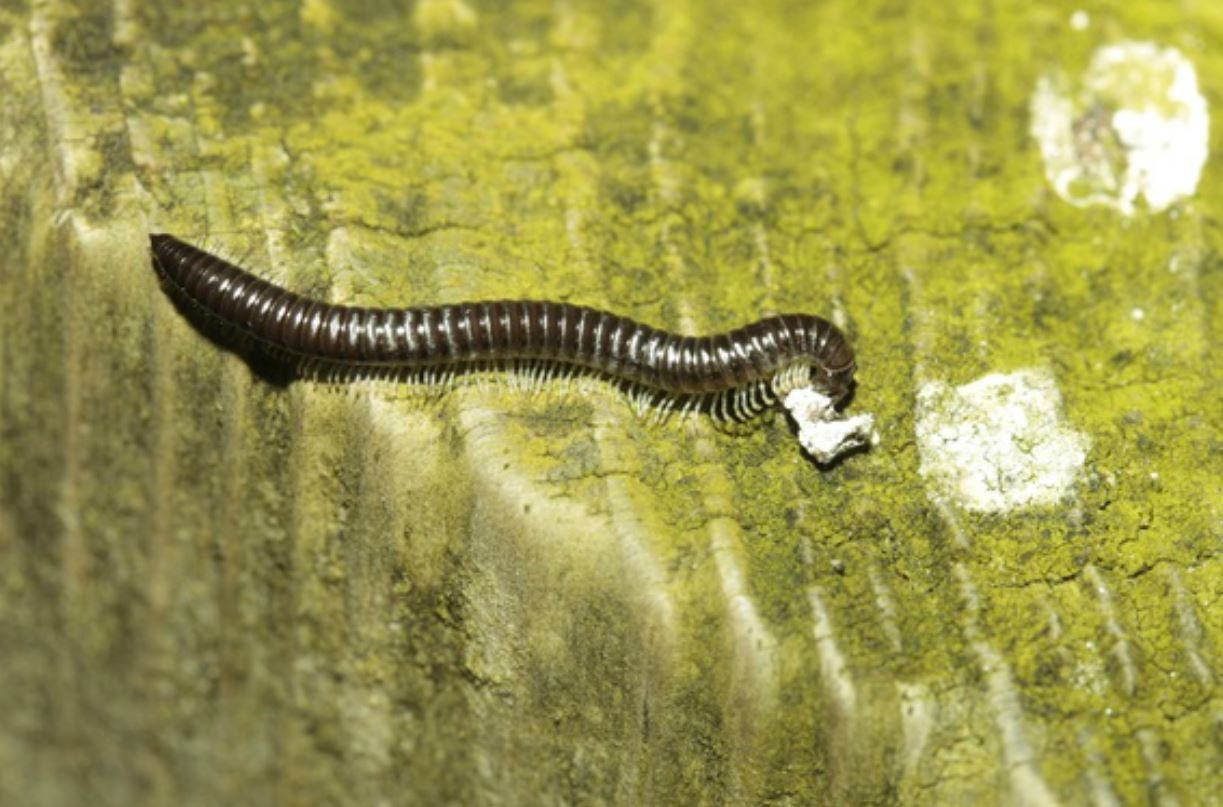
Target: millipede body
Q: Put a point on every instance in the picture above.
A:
(736, 373)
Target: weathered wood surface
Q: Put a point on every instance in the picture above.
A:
(216, 590)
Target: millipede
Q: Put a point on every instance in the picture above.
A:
(733, 375)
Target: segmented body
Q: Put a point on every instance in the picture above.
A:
(738, 372)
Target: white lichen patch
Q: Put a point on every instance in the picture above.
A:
(999, 443)
(1134, 124)
(821, 431)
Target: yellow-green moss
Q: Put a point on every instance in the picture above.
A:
(215, 588)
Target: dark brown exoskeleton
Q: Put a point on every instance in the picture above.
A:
(734, 375)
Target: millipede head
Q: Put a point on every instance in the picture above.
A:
(833, 372)
(836, 382)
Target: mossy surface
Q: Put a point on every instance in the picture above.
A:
(214, 587)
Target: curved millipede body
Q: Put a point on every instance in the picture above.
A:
(736, 373)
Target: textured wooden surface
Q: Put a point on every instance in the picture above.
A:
(214, 589)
